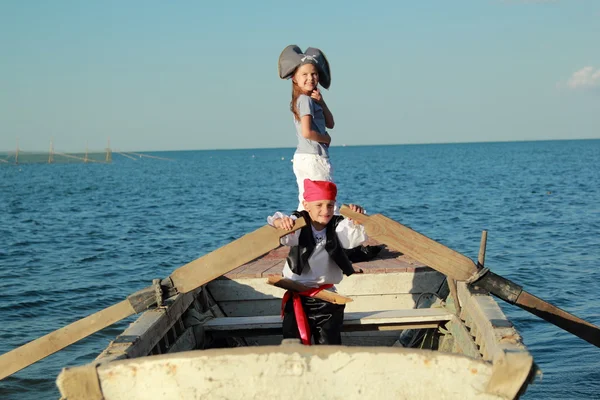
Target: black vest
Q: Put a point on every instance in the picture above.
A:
(299, 255)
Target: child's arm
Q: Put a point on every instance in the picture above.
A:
(311, 134)
(306, 110)
(282, 221)
(350, 233)
(329, 122)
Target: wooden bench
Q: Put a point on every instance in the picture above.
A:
(353, 321)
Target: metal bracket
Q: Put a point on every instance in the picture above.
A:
(477, 275)
(497, 285)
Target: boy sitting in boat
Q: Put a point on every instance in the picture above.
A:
(317, 259)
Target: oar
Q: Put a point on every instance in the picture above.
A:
(461, 268)
(182, 280)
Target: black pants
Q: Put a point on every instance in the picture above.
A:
(325, 320)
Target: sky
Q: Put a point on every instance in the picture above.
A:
(188, 75)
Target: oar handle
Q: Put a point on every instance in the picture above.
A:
(514, 294)
(353, 215)
(298, 223)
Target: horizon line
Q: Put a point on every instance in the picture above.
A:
(292, 147)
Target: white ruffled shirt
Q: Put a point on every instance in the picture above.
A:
(321, 269)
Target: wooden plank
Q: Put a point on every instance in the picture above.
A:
(276, 329)
(356, 285)
(410, 316)
(243, 289)
(185, 342)
(463, 341)
(217, 310)
(324, 295)
(275, 270)
(406, 316)
(422, 280)
(253, 269)
(272, 306)
(493, 331)
(387, 264)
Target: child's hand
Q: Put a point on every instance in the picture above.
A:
(356, 208)
(325, 139)
(316, 96)
(284, 223)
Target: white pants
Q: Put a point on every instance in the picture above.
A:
(313, 167)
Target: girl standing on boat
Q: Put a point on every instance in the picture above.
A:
(317, 260)
(311, 115)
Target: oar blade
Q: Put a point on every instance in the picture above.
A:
(569, 322)
(415, 245)
(512, 293)
(21, 357)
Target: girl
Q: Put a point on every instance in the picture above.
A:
(312, 117)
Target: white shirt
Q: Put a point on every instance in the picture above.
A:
(321, 269)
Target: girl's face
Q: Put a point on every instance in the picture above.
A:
(306, 77)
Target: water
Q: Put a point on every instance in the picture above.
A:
(76, 238)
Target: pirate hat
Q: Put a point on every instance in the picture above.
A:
(292, 57)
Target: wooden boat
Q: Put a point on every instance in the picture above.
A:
(409, 332)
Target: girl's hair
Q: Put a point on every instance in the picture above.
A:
(296, 92)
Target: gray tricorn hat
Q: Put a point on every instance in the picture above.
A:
(292, 57)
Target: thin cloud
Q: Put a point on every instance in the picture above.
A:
(585, 78)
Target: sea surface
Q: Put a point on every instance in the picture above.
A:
(76, 238)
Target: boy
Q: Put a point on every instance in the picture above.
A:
(317, 260)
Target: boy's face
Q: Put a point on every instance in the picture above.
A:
(320, 211)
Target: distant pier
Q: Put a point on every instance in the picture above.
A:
(20, 156)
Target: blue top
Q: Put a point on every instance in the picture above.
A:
(307, 106)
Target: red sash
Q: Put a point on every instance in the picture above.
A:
(301, 318)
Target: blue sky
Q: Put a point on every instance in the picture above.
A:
(184, 75)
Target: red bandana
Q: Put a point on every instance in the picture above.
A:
(319, 190)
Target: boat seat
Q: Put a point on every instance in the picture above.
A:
(353, 321)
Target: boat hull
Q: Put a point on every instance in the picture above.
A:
(291, 371)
